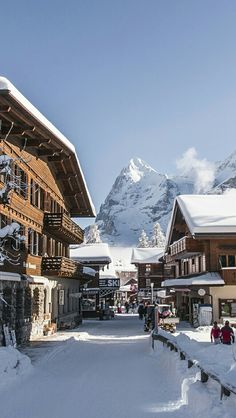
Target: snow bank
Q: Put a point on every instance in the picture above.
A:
(195, 398)
(218, 359)
(12, 364)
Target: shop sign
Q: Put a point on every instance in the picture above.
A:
(61, 297)
(109, 283)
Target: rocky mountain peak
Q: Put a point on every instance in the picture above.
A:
(140, 197)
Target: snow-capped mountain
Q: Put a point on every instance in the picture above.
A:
(141, 196)
(225, 177)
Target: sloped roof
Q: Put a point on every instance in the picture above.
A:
(146, 255)
(206, 214)
(21, 112)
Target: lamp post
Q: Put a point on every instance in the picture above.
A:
(152, 285)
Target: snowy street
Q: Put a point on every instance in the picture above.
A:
(107, 369)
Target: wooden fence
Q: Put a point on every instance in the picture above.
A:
(226, 388)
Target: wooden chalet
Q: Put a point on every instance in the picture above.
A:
(150, 271)
(42, 187)
(200, 257)
(96, 257)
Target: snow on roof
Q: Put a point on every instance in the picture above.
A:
(91, 253)
(121, 258)
(146, 255)
(209, 213)
(108, 272)
(207, 279)
(89, 271)
(6, 85)
(15, 277)
(38, 280)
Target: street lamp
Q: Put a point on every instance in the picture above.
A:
(152, 284)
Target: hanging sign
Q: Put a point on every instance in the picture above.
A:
(109, 283)
(61, 297)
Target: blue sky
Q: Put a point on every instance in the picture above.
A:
(126, 78)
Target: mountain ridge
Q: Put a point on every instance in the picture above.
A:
(141, 196)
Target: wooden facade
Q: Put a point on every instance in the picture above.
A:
(47, 188)
(190, 256)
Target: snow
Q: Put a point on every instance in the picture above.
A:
(146, 255)
(209, 213)
(121, 259)
(106, 366)
(13, 365)
(91, 253)
(108, 272)
(15, 277)
(207, 279)
(89, 271)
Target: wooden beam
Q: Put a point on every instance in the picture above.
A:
(56, 158)
(34, 142)
(72, 194)
(5, 109)
(16, 130)
(65, 176)
(48, 151)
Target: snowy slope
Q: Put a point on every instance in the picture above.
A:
(139, 197)
(142, 196)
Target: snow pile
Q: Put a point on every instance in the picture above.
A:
(12, 364)
(217, 359)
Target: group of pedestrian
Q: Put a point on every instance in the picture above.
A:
(130, 306)
(224, 335)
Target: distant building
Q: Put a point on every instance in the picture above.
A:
(149, 262)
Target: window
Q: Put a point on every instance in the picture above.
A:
(227, 307)
(20, 179)
(227, 261)
(34, 242)
(148, 269)
(148, 282)
(37, 195)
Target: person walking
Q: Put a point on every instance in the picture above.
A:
(227, 334)
(127, 307)
(141, 310)
(215, 333)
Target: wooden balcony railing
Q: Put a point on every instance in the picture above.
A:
(184, 246)
(60, 267)
(62, 226)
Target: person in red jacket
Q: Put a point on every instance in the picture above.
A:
(216, 334)
(227, 334)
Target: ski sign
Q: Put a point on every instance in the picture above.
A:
(109, 283)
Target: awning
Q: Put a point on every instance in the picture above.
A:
(89, 271)
(11, 277)
(207, 279)
(38, 280)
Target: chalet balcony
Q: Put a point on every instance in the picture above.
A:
(61, 226)
(228, 274)
(60, 267)
(184, 248)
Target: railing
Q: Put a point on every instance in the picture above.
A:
(225, 388)
(62, 226)
(60, 266)
(185, 244)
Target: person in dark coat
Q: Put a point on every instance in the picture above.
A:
(227, 334)
(141, 310)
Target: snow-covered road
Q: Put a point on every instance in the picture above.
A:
(107, 369)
